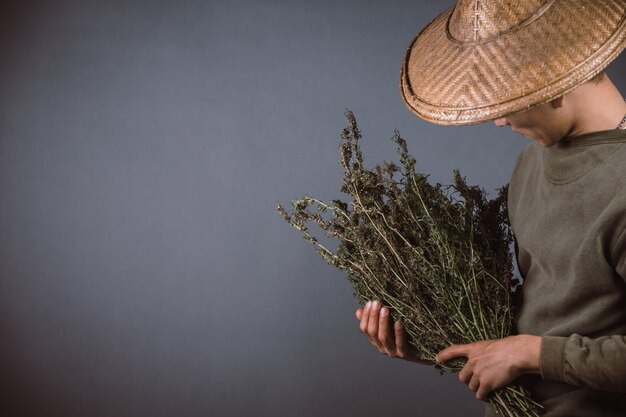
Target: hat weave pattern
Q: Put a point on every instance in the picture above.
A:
(482, 60)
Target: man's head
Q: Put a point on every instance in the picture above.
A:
(593, 106)
(545, 124)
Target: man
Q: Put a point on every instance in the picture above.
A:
(537, 66)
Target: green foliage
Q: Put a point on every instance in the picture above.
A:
(438, 256)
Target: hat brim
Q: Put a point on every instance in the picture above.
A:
(448, 82)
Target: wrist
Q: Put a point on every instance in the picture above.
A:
(530, 354)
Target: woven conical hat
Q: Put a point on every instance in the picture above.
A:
(485, 59)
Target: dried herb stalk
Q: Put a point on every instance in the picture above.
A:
(438, 256)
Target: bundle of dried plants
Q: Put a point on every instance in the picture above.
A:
(438, 256)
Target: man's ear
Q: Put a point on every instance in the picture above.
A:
(557, 103)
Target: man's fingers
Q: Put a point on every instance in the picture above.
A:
(474, 383)
(369, 319)
(483, 392)
(452, 352)
(364, 317)
(401, 345)
(359, 313)
(466, 374)
(384, 335)
(372, 323)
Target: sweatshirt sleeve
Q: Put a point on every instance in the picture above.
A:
(598, 364)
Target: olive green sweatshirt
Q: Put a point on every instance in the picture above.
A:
(567, 207)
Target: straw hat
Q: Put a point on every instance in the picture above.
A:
(485, 59)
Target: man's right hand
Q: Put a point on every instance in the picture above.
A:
(375, 324)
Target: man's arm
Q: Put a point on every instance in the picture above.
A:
(598, 363)
(576, 360)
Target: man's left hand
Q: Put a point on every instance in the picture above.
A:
(492, 364)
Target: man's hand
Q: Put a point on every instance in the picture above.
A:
(375, 323)
(492, 364)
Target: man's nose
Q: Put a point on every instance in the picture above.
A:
(503, 121)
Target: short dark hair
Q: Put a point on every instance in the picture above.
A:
(597, 78)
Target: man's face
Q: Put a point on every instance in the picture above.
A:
(541, 124)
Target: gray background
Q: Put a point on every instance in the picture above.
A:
(143, 148)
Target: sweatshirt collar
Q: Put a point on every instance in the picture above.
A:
(573, 157)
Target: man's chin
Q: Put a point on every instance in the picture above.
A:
(529, 137)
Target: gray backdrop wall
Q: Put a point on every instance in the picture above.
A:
(144, 145)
